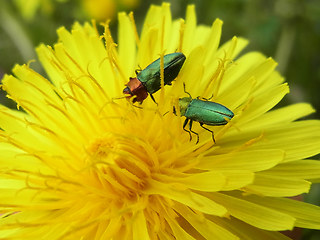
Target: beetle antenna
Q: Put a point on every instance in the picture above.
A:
(138, 70)
(115, 98)
(184, 89)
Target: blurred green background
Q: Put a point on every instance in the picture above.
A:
(287, 30)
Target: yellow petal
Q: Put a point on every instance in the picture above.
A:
(306, 215)
(232, 48)
(306, 134)
(237, 179)
(237, 73)
(251, 160)
(207, 181)
(274, 186)
(259, 104)
(245, 231)
(140, 227)
(193, 200)
(178, 231)
(155, 34)
(189, 31)
(281, 115)
(247, 83)
(127, 44)
(254, 214)
(191, 73)
(208, 229)
(287, 137)
(213, 40)
(305, 169)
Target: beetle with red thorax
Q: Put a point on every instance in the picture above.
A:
(148, 80)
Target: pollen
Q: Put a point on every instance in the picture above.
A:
(103, 149)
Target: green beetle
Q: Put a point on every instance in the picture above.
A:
(148, 80)
(204, 112)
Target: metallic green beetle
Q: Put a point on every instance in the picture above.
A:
(148, 80)
(204, 112)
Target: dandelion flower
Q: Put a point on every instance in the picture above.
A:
(80, 162)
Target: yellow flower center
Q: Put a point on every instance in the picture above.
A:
(122, 165)
(104, 149)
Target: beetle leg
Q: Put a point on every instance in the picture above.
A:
(153, 99)
(201, 125)
(190, 126)
(210, 97)
(184, 125)
(206, 99)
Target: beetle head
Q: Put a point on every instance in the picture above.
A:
(184, 104)
(137, 89)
